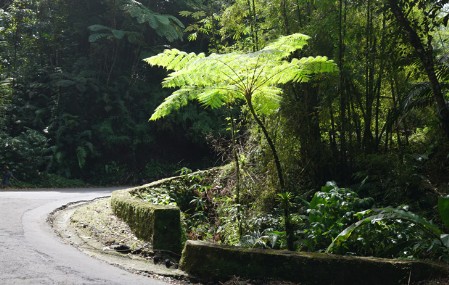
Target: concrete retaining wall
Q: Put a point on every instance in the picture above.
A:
(160, 225)
(215, 262)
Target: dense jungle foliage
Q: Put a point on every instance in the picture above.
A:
(367, 108)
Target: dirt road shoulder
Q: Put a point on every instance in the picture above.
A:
(91, 227)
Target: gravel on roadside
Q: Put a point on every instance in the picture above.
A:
(94, 229)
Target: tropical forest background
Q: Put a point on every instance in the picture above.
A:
(365, 141)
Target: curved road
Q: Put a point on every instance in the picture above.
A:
(31, 253)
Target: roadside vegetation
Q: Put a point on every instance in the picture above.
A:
(329, 119)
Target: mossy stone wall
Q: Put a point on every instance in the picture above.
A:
(215, 262)
(160, 225)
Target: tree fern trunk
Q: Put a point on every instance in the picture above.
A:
(280, 174)
(237, 175)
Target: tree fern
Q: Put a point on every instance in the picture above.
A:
(219, 77)
(254, 78)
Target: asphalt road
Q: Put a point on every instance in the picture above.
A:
(31, 253)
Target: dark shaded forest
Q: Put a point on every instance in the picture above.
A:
(77, 95)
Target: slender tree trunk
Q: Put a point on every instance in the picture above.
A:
(369, 78)
(333, 132)
(309, 131)
(298, 13)
(271, 144)
(379, 81)
(237, 174)
(251, 26)
(280, 174)
(342, 91)
(285, 16)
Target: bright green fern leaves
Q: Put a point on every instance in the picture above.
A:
(220, 79)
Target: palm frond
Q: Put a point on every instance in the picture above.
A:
(442, 68)
(419, 96)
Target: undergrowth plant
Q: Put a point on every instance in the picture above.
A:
(331, 210)
(395, 232)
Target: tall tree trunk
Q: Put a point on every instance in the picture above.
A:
(308, 129)
(235, 156)
(342, 88)
(424, 50)
(253, 24)
(378, 86)
(285, 16)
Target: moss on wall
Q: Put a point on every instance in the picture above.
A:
(160, 225)
(210, 261)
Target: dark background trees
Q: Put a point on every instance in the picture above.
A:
(72, 71)
(76, 76)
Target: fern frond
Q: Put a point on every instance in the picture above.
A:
(175, 21)
(318, 64)
(198, 15)
(164, 20)
(169, 32)
(266, 100)
(286, 45)
(173, 59)
(419, 96)
(212, 97)
(102, 31)
(185, 13)
(174, 102)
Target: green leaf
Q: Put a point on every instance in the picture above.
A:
(97, 28)
(65, 83)
(164, 20)
(198, 15)
(81, 155)
(118, 34)
(443, 209)
(212, 98)
(185, 13)
(97, 36)
(387, 214)
(174, 102)
(445, 240)
(285, 45)
(166, 26)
